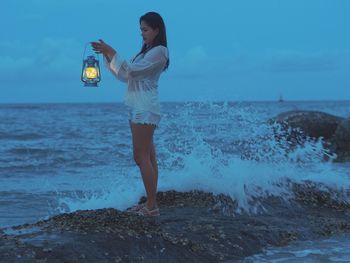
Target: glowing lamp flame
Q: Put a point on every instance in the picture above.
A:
(91, 73)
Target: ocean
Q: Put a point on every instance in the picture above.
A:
(57, 158)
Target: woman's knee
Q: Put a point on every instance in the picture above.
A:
(141, 158)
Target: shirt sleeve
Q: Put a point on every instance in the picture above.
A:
(117, 67)
(153, 61)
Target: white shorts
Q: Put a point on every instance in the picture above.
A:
(143, 117)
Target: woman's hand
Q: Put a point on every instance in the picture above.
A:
(102, 47)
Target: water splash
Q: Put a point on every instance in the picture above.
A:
(227, 148)
(235, 151)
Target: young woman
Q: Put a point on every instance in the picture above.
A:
(142, 75)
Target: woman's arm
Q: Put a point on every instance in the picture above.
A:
(117, 66)
(154, 60)
(101, 47)
(112, 59)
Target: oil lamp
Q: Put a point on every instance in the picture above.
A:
(91, 74)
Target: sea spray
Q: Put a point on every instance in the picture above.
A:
(227, 148)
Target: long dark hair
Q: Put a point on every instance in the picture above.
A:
(154, 20)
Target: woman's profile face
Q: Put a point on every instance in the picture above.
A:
(148, 33)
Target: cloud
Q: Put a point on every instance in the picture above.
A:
(198, 63)
(61, 58)
(33, 17)
(302, 62)
(10, 67)
(50, 58)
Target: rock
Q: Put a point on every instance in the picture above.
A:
(312, 123)
(342, 140)
(193, 227)
(301, 125)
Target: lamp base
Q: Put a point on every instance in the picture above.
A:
(90, 84)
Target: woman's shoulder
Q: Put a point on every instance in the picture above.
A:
(160, 49)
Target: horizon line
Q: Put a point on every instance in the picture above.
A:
(178, 101)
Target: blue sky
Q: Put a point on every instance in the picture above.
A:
(219, 50)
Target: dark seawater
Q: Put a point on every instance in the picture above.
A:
(58, 158)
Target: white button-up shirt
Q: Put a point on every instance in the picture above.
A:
(142, 77)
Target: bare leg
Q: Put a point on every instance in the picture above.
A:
(142, 137)
(154, 163)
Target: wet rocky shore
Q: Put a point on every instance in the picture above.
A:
(193, 227)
